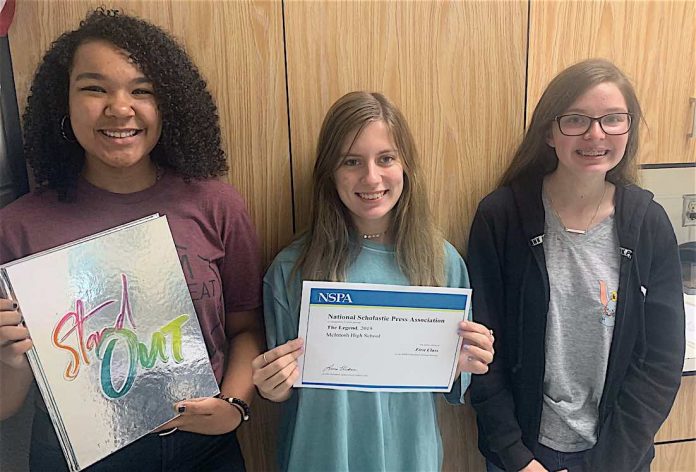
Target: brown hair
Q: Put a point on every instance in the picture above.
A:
(535, 156)
(331, 242)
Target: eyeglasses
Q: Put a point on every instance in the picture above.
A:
(577, 125)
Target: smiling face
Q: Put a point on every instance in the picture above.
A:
(113, 111)
(594, 152)
(370, 177)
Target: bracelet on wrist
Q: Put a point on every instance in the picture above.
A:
(239, 404)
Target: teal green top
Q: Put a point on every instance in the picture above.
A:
(340, 430)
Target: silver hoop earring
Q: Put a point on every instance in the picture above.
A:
(63, 133)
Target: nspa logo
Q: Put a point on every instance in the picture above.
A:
(335, 297)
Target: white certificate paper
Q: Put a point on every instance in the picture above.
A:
(389, 338)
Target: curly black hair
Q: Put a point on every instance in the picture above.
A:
(190, 140)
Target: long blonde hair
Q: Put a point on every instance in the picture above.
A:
(331, 243)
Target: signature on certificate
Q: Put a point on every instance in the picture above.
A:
(333, 368)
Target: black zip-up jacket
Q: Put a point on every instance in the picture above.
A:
(511, 296)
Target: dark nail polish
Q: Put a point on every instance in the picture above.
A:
(14, 305)
(181, 409)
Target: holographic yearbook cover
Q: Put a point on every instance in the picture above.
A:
(116, 337)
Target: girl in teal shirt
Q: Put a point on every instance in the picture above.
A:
(370, 224)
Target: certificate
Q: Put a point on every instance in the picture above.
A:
(370, 337)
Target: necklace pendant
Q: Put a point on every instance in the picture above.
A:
(372, 236)
(574, 231)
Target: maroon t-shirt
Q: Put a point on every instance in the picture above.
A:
(216, 241)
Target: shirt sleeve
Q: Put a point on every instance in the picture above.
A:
(280, 320)
(240, 270)
(457, 276)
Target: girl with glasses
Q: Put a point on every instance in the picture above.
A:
(576, 269)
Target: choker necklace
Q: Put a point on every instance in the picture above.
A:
(578, 231)
(372, 236)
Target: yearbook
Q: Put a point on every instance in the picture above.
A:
(116, 336)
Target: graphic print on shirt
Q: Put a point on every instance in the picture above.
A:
(202, 276)
(203, 279)
(608, 299)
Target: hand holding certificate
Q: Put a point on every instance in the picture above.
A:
(380, 337)
(275, 371)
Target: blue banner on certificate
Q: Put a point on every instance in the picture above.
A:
(390, 338)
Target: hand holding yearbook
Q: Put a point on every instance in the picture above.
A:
(116, 337)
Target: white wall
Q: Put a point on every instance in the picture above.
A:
(669, 185)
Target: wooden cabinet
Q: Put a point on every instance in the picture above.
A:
(456, 70)
(675, 457)
(653, 42)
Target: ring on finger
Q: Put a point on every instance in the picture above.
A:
(264, 358)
